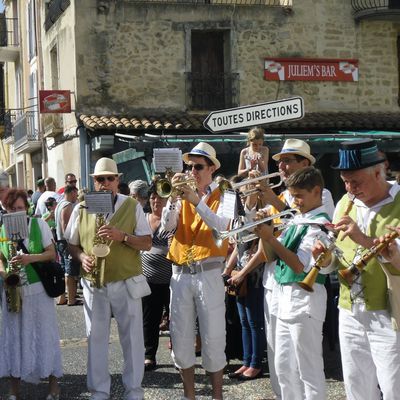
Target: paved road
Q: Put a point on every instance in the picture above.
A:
(161, 384)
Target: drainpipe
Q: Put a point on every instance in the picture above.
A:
(84, 155)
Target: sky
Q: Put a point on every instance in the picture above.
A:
(1, 6)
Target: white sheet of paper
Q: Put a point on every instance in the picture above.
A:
(229, 209)
(99, 202)
(164, 159)
(16, 225)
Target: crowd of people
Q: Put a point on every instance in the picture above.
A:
(159, 257)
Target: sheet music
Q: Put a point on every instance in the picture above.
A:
(99, 202)
(16, 225)
(229, 209)
(164, 159)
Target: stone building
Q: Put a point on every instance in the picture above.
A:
(145, 74)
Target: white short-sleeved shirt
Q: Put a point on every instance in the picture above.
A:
(142, 227)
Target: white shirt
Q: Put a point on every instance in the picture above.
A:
(142, 227)
(293, 300)
(41, 206)
(170, 214)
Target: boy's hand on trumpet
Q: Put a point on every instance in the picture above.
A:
(320, 249)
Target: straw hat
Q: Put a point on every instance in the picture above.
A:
(358, 154)
(205, 150)
(105, 166)
(295, 146)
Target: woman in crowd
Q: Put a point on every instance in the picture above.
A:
(29, 340)
(158, 271)
(255, 156)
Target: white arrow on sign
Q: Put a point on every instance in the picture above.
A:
(255, 115)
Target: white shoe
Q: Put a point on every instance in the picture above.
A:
(51, 396)
(12, 397)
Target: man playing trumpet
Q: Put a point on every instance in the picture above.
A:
(197, 287)
(370, 347)
(127, 232)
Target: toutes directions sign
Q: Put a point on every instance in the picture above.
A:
(255, 115)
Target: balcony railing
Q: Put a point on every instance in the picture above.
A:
(26, 133)
(9, 120)
(212, 92)
(8, 31)
(376, 9)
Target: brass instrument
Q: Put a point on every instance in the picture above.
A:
(225, 185)
(350, 273)
(329, 242)
(165, 188)
(219, 237)
(100, 250)
(12, 282)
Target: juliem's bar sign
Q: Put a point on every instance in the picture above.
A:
(310, 69)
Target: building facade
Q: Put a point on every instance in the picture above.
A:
(145, 74)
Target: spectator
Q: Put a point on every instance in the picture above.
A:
(40, 188)
(157, 270)
(70, 180)
(140, 191)
(48, 216)
(50, 192)
(123, 188)
(71, 267)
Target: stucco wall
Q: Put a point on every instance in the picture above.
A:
(134, 56)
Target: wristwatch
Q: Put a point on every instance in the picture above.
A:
(125, 239)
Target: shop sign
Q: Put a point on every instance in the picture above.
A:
(55, 101)
(310, 69)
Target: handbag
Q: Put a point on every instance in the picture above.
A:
(239, 290)
(52, 276)
(50, 273)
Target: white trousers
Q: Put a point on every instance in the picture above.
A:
(200, 295)
(270, 332)
(100, 304)
(298, 359)
(370, 351)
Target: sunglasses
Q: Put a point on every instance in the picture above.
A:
(102, 179)
(197, 167)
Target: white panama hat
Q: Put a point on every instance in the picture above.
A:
(105, 166)
(205, 150)
(295, 146)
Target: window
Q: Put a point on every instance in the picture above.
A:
(211, 85)
(54, 67)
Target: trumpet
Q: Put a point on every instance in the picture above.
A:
(219, 237)
(354, 270)
(165, 188)
(329, 242)
(225, 185)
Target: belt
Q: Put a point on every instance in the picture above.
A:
(196, 267)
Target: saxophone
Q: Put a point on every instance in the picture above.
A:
(100, 250)
(12, 281)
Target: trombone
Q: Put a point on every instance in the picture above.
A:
(219, 237)
(225, 185)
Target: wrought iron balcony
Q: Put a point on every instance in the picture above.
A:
(376, 9)
(9, 39)
(212, 92)
(26, 133)
(9, 120)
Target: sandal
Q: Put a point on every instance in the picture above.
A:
(63, 303)
(77, 303)
(150, 365)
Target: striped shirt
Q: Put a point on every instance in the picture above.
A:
(156, 268)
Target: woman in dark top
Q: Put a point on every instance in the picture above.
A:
(158, 271)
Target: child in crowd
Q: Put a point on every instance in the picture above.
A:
(300, 314)
(255, 156)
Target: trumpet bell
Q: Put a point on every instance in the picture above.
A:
(308, 282)
(218, 238)
(163, 188)
(349, 274)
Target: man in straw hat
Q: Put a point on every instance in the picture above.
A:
(197, 287)
(294, 156)
(369, 345)
(127, 232)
